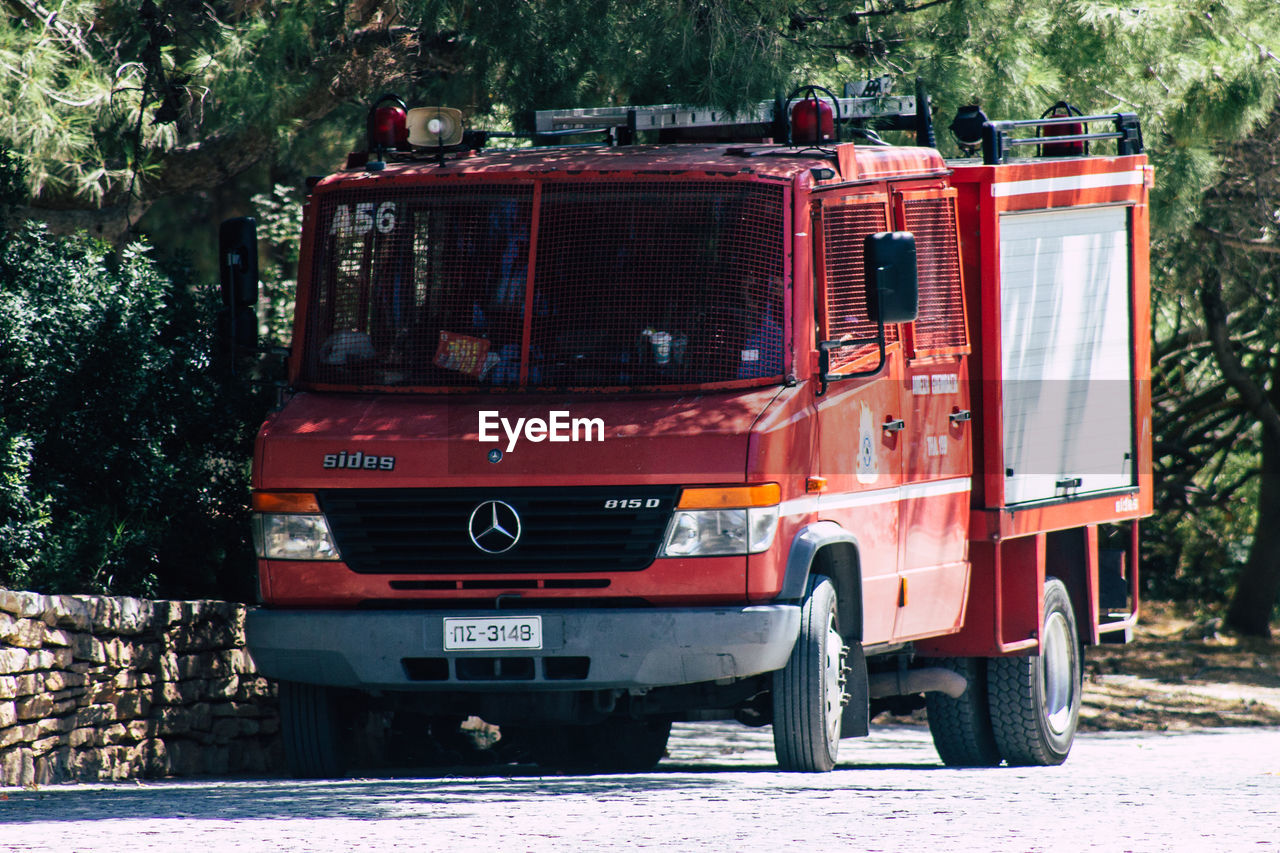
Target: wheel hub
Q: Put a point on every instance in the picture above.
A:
(835, 677)
(1058, 673)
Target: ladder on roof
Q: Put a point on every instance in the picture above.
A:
(767, 118)
(679, 116)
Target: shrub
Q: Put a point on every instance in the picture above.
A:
(123, 458)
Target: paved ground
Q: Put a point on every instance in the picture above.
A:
(1211, 790)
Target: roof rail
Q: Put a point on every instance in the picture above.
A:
(765, 118)
(998, 138)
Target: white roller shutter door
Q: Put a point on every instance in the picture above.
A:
(1066, 363)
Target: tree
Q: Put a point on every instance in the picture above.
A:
(1226, 357)
(118, 108)
(115, 107)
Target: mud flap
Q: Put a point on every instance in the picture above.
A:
(856, 719)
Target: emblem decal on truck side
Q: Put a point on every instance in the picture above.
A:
(494, 527)
(868, 470)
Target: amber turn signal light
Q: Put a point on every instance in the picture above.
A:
(285, 502)
(731, 497)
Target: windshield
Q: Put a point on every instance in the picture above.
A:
(634, 284)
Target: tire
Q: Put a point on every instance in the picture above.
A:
(808, 693)
(619, 745)
(961, 728)
(309, 726)
(1035, 701)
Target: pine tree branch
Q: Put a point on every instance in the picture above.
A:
(1179, 347)
(891, 9)
(1210, 402)
(225, 155)
(1269, 247)
(364, 64)
(64, 32)
(1223, 455)
(50, 93)
(801, 19)
(109, 223)
(1252, 394)
(1228, 493)
(1201, 441)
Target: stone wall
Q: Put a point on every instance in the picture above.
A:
(95, 687)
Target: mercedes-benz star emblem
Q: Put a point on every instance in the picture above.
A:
(494, 527)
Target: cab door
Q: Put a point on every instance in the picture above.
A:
(936, 434)
(860, 458)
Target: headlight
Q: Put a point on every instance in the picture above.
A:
(721, 532)
(293, 537)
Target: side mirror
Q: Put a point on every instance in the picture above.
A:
(238, 261)
(893, 291)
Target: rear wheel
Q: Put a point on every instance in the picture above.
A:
(808, 693)
(309, 726)
(1035, 701)
(961, 728)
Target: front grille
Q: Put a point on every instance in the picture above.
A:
(504, 668)
(426, 531)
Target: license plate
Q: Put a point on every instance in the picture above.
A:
(498, 632)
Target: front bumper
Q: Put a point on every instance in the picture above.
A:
(582, 649)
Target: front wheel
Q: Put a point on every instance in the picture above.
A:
(1035, 701)
(808, 693)
(309, 726)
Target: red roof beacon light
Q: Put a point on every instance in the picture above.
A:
(1063, 149)
(388, 124)
(812, 118)
(804, 121)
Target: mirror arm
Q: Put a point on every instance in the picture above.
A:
(825, 348)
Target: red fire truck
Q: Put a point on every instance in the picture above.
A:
(748, 417)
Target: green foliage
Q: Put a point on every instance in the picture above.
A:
(1197, 73)
(1195, 554)
(114, 100)
(1211, 453)
(13, 178)
(86, 95)
(573, 53)
(279, 217)
(105, 96)
(122, 460)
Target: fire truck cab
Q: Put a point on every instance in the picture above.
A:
(745, 421)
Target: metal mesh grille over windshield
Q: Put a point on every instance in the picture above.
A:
(656, 283)
(636, 283)
(419, 288)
